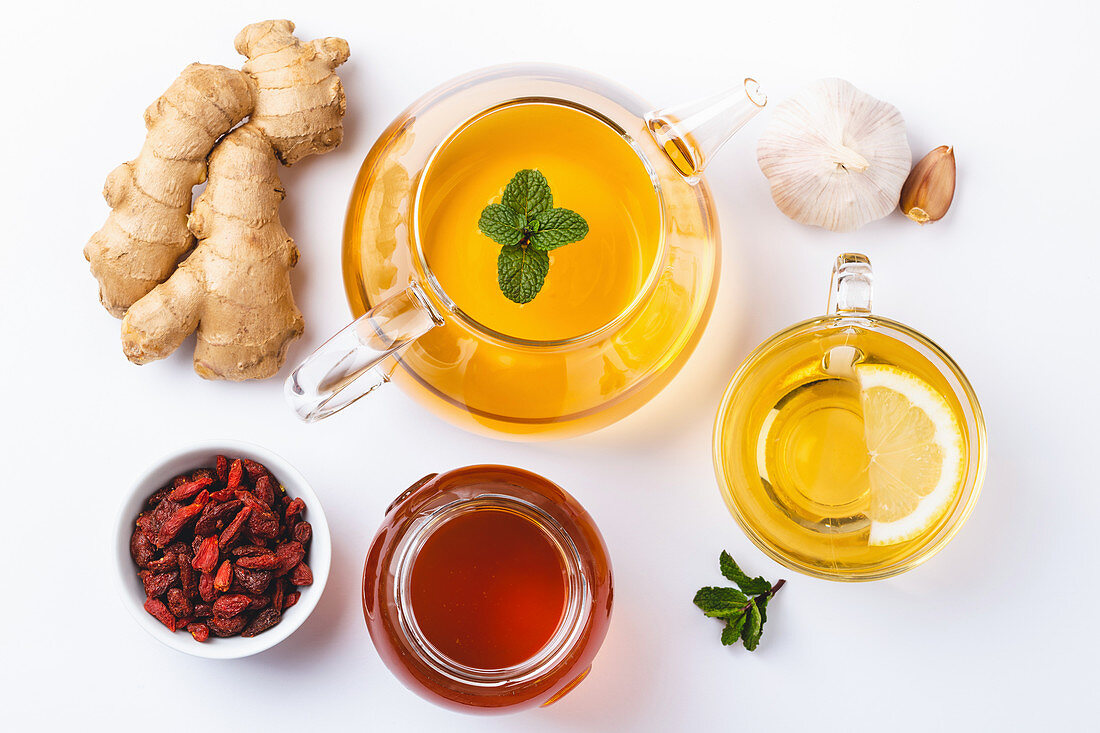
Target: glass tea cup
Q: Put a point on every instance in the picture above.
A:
(850, 446)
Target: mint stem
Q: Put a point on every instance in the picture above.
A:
(774, 589)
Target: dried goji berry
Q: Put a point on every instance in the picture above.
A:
(301, 575)
(202, 473)
(161, 613)
(187, 574)
(163, 564)
(201, 632)
(158, 496)
(250, 500)
(189, 489)
(264, 491)
(141, 548)
(231, 604)
(268, 561)
(179, 480)
(253, 581)
(263, 525)
(246, 550)
(293, 509)
(178, 603)
(264, 620)
(221, 467)
(289, 554)
(179, 518)
(233, 480)
(224, 577)
(277, 595)
(176, 548)
(255, 470)
(258, 602)
(291, 599)
(303, 532)
(222, 495)
(215, 516)
(230, 534)
(157, 584)
(202, 610)
(206, 587)
(206, 559)
(227, 626)
(151, 523)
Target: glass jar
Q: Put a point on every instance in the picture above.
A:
(561, 662)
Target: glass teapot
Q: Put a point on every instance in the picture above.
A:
(412, 327)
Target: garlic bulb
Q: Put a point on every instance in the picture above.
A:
(835, 156)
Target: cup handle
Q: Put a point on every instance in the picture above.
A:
(849, 295)
(851, 286)
(343, 369)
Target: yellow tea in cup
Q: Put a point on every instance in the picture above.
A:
(849, 446)
(591, 169)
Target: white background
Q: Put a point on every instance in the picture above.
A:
(996, 632)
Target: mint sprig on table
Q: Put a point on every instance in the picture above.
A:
(744, 609)
(527, 226)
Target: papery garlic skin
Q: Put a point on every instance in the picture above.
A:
(835, 157)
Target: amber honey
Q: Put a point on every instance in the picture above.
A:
(489, 589)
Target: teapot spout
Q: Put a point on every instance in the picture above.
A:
(690, 134)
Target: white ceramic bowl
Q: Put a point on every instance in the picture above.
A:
(188, 459)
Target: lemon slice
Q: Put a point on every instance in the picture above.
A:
(915, 444)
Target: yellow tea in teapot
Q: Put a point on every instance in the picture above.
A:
(591, 170)
(844, 446)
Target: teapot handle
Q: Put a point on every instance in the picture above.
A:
(336, 374)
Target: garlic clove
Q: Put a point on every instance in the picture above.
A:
(835, 156)
(930, 187)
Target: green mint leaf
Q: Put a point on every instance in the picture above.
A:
(754, 627)
(721, 602)
(521, 271)
(501, 224)
(751, 586)
(528, 194)
(556, 227)
(528, 226)
(744, 611)
(731, 634)
(762, 604)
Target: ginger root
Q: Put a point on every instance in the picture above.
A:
(146, 232)
(235, 287)
(299, 99)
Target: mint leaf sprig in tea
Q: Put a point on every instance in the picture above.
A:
(527, 226)
(744, 609)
